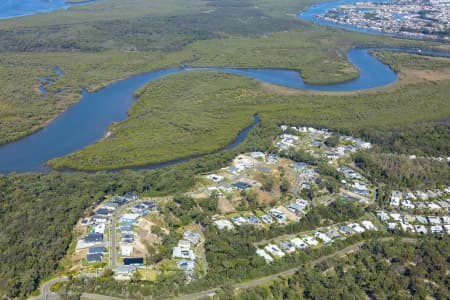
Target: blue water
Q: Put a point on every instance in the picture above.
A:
(49, 82)
(19, 8)
(87, 121)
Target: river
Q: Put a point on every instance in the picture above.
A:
(88, 120)
(19, 8)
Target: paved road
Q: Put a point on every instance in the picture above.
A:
(47, 294)
(113, 242)
(292, 271)
(266, 279)
(45, 289)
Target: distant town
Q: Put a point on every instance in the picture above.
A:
(428, 19)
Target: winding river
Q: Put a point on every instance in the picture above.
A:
(87, 121)
(19, 8)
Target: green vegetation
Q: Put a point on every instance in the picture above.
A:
(398, 60)
(110, 40)
(190, 114)
(231, 255)
(399, 170)
(381, 270)
(193, 113)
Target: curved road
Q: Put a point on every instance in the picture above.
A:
(46, 293)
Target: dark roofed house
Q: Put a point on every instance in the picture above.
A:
(264, 170)
(93, 238)
(150, 204)
(96, 250)
(130, 196)
(242, 185)
(91, 258)
(119, 200)
(103, 212)
(133, 261)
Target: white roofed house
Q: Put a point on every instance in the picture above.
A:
(357, 228)
(311, 241)
(323, 237)
(258, 155)
(421, 229)
(224, 224)
(299, 243)
(382, 215)
(396, 217)
(215, 177)
(185, 253)
(437, 229)
(369, 225)
(408, 204)
(433, 205)
(422, 195)
(263, 254)
(396, 198)
(445, 220)
(391, 226)
(407, 227)
(274, 250)
(434, 220)
(126, 250)
(421, 219)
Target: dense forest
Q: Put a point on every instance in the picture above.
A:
(380, 270)
(401, 171)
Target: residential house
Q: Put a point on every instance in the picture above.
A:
(310, 241)
(133, 261)
(94, 238)
(215, 177)
(267, 219)
(274, 250)
(356, 227)
(299, 243)
(287, 246)
(369, 225)
(96, 250)
(94, 258)
(192, 236)
(434, 220)
(421, 229)
(323, 237)
(127, 270)
(224, 224)
(437, 229)
(265, 255)
(421, 219)
(382, 215)
(253, 220)
(126, 250)
(131, 196)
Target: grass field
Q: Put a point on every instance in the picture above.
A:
(195, 113)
